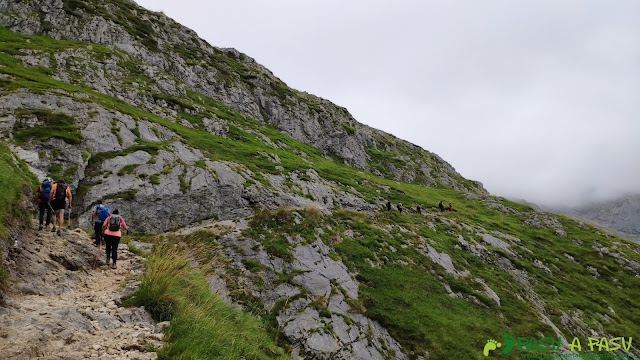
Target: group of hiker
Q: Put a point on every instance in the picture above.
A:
(53, 198)
(443, 209)
(418, 208)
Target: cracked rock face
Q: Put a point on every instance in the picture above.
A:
(331, 330)
(304, 117)
(154, 191)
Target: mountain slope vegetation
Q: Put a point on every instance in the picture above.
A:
(277, 198)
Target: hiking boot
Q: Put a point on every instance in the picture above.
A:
(47, 227)
(113, 266)
(53, 229)
(59, 232)
(40, 228)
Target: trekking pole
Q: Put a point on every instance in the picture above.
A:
(127, 242)
(69, 217)
(97, 253)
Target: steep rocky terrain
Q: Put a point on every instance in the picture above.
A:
(621, 216)
(62, 308)
(276, 198)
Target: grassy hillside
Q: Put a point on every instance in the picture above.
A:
(405, 290)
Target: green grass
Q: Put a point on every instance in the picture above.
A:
(124, 195)
(16, 180)
(51, 125)
(128, 169)
(411, 301)
(149, 147)
(202, 326)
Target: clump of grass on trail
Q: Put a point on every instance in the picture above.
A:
(202, 326)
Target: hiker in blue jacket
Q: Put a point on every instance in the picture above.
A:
(43, 191)
(98, 216)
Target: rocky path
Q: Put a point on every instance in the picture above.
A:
(59, 307)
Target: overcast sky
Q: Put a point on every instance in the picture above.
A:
(538, 100)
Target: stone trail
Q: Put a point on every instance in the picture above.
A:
(59, 307)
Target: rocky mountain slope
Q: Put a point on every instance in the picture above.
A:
(278, 196)
(621, 216)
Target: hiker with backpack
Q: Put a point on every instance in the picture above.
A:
(388, 205)
(399, 206)
(98, 217)
(418, 209)
(57, 198)
(43, 192)
(112, 230)
(441, 206)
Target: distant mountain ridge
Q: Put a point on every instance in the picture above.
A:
(621, 215)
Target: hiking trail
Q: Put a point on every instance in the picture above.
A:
(59, 307)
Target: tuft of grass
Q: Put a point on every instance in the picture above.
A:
(124, 195)
(252, 265)
(128, 169)
(202, 326)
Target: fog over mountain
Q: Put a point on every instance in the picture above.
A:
(537, 101)
(620, 216)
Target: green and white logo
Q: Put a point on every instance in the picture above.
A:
(534, 345)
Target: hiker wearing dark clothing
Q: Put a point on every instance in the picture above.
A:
(43, 191)
(98, 216)
(388, 205)
(441, 206)
(57, 199)
(399, 206)
(112, 231)
(418, 210)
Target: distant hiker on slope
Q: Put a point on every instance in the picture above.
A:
(418, 209)
(399, 206)
(43, 194)
(57, 198)
(112, 233)
(450, 207)
(441, 206)
(98, 216)
(388, 205)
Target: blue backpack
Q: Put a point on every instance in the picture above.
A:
(103, 212)
(45, 190)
